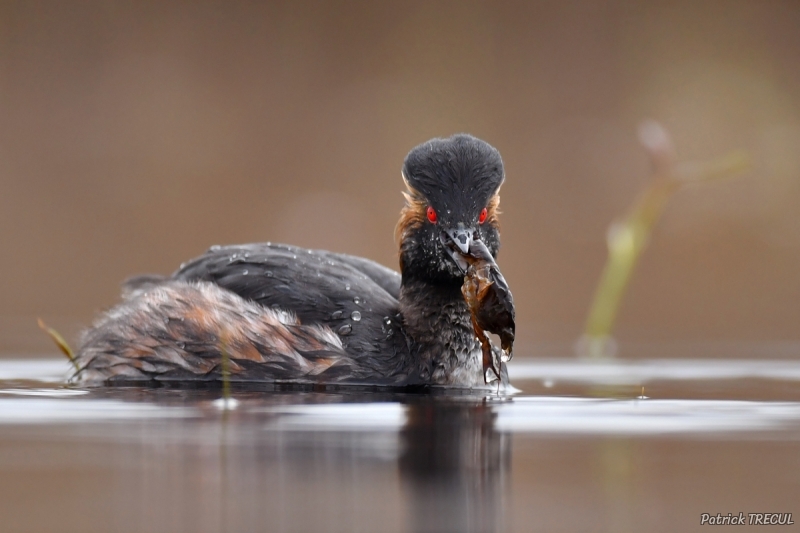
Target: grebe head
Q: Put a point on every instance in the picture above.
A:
(452, 199)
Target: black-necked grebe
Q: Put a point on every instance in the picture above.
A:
(284, 314)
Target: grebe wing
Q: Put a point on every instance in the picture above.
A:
(282, 314)
(386, 278)
(179, 331)
(341, 291)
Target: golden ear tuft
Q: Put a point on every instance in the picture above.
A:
(412, 216)
(493, 210)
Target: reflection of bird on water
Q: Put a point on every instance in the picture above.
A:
(455, 467)
(288, 314)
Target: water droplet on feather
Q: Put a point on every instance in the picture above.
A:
(345, 329)
(356, 316)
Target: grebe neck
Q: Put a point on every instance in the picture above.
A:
(437, 319)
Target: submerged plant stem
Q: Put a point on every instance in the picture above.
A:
(226, 373)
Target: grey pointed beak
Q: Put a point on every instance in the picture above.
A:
(456, 243)
(462, 238)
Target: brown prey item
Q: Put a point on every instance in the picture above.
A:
(491, 305)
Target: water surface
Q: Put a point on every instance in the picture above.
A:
(619, 446)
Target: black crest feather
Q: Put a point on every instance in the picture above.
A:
(458, 174)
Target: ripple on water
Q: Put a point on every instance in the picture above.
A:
(38, 403)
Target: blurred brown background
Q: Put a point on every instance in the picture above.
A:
(133, 135)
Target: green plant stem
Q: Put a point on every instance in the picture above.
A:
(61, 343)
(628, 238)
(226, 373)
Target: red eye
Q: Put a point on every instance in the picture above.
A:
(431, 215)
(482, 216)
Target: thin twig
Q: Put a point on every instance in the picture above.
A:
(225, 370)
(61, 343)
(627, 238)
